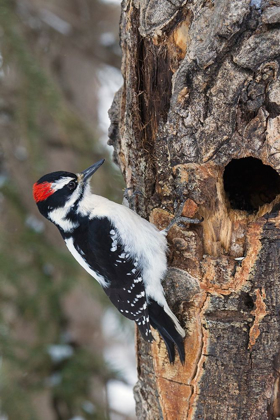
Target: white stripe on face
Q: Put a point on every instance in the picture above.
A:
(57, 185)
(59, 215)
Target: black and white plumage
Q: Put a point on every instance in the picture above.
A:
(124, 252)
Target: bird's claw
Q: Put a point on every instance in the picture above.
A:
(128, 199)
(180, 220)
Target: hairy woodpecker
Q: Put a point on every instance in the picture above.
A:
(124, 252)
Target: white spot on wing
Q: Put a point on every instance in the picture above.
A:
(80, 251)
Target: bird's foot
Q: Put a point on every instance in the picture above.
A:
(129, 197)
(181, 220)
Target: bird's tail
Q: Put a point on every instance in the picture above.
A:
(163, 320)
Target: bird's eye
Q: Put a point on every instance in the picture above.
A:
(72, 185)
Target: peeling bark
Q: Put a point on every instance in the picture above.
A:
(201, 88)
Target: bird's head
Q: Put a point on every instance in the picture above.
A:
(62, 190)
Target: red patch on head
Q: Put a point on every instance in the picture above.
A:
(42, 191)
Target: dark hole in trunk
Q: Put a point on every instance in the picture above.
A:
(249, 184)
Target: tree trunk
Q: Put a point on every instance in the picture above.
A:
(198, 120)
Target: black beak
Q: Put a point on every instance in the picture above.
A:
(87, 173)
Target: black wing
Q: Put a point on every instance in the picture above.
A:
(106, 255)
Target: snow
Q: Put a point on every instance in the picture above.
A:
(77, 418)
(256, 3)
(110, 80)
(21, 153)
(120, 397)
(120, 351)
(59, 352)
(48, 269)
(2, 73)
(118, 2)
(120, 354)
(107, 39)
(55, 22)
(88, 407)
(3, 180)
(53, 380)
(34, 224)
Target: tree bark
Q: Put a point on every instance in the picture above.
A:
(201, 88)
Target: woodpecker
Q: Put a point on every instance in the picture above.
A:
(125, 253)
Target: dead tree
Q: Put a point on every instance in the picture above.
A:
(198, 120)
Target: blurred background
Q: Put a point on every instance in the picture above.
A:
(66, 354)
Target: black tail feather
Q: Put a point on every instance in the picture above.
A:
(160, 320)
(168, 343)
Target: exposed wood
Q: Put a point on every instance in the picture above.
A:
(201, 87)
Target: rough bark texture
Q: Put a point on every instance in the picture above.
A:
(202, 87)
